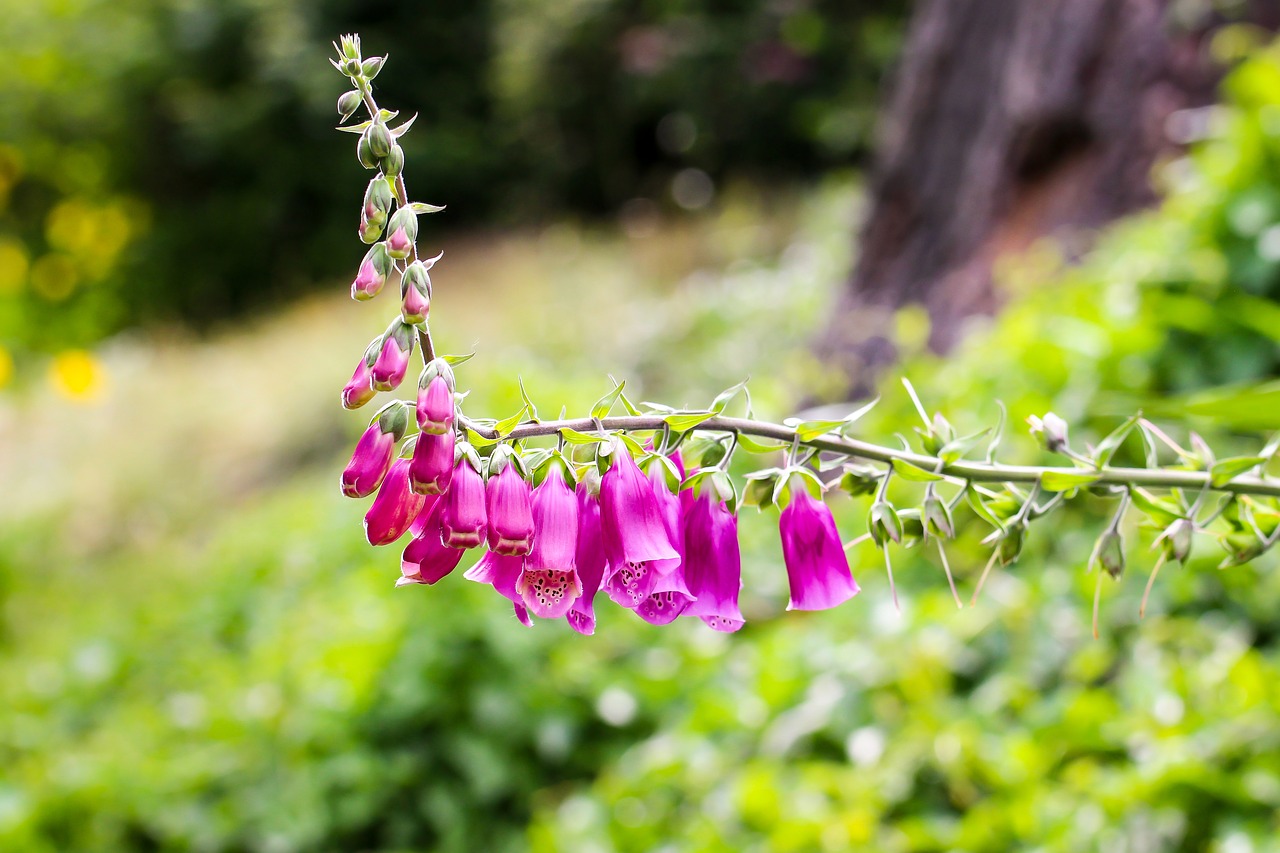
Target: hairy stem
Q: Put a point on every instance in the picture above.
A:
(981, 472)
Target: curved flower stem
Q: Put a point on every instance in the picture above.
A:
(981, 472)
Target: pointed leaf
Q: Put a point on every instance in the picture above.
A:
(914, 473)
(1225, 470)
(574, 437)
(809, 430)
(750, 445)
(979, 506)
(423, 207)
(1162, 512)
(605, 404)
(528, 404)
(722, 400)
(954, 451)
(506, 425)
(397, 132)
(455, 360)
(998, 434)
(684, 421)
(1062, 481)
(1108, 446)
(854, 416)
(355, 128)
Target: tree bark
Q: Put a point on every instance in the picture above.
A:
(1010, 120)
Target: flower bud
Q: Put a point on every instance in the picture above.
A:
(393, 360)
(372, 275)
(508, 504)
(393, 164)
(1177, 540)
(431, 470)
(348, 103)
(415, 293)
(860, 480)
(1010, 546)
(364, 152)
(1050, 431)
(464, 521)
(372, 455)
(379, 139)
(360, 389)
(395, 507)
(404, 231)
(377, 199)
(350, 46)
(371, 66)
(1110, 553)
(371, 229)
(435, 398)
(937, 518)
(883, 523)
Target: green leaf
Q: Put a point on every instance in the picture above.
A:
(750, 445)
(356, 128)
(479, 440)
(1062, 481)
(629, 406)
(528, 404)
(636, 448)
(423, 207)
(914, 473)
(684, 421)
(1162, 512)
(856, 415)
(1108, 446)
(1225, 470)
(605, 404)
(809, 430)
(397, 132)
(657, 408)
(507, 424)
(725, 397)
(455, 360)
(1246, 407)
(954, 450)
(574, 437)
(974, 497)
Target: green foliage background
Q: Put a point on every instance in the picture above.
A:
(197, 651)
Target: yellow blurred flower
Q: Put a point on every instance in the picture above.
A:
(54, 276)
(78, 376)
(13, 266)
(6, 367)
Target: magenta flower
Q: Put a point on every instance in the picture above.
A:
(394, 508)
(817, 568)
(635, 534)
(426, 559)
(360, 389)
(435, 398)
(670, 598)
(712, 562)
(463, 520)
(431, 470)
(502, 571)
(589, 560)
(414, 304)
(509, 506)
(393, 361)
(549, 583)
(372, 456)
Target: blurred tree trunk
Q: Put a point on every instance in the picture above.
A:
(1009, 120)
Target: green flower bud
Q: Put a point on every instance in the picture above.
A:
(379, 139)
(1050, 431)
(364, 153)
(371, 66)
(1177, 540)
(1010, 546)
(1110, 553)
(350, 46)
(393, 163)
(937, 518)
(860, 480)
(883, 523)
(348, 103)
(371, 230)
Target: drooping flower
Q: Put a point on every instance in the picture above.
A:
(435, 397)
(393, 361)
(463, 520)
(372, 455)
(359, 390)
(549, 583)
(635, 536)
(817, 568)
(426, 559)
(509, 505)
(394, 508)
(589, 557)
(404, 231)
(431, 470)
(712, 561)
(502, 572)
